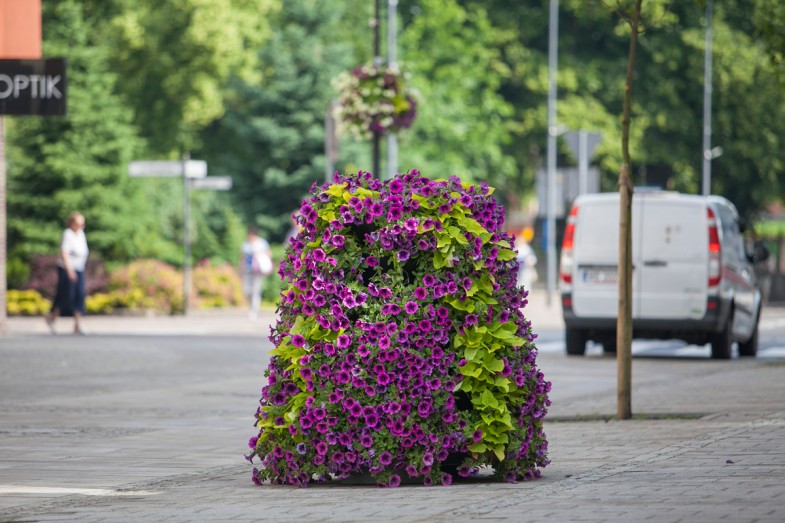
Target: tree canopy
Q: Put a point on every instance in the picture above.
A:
(245, 85)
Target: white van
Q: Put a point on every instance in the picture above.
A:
(691, 280)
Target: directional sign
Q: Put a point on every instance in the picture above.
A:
(32, 87)
(590, 143)
(193, 168)
(216, 183)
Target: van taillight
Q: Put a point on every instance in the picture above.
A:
(715, 252)
(567, 246)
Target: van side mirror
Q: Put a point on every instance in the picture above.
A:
(760, 253)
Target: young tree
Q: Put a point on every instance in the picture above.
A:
(624, 321)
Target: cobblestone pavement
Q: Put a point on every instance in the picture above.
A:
(146, 419)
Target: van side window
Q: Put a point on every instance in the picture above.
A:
(731, 235)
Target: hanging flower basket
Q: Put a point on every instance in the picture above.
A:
(373, 99)
(401, 350)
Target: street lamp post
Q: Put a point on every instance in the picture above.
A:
(553, 132)
(707, 91)
(392, 62)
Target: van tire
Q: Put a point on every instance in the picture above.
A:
(749, 348)
(609, 346)
(576, 342)
(722, 341)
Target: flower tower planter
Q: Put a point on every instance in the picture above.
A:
(401, 350)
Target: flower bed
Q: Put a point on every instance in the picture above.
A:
(401, 349)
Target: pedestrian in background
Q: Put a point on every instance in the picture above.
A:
(71, 262)
(527, 260)
(255, 264)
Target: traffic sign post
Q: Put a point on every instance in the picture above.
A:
(194, 175)
(582, 144)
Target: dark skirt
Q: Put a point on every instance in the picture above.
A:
(70, 295)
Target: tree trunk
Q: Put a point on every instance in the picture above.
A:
(624, 320)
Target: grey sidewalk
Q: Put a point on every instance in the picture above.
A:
(146, 420)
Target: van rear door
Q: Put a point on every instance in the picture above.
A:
(673, 260)
(595, 293)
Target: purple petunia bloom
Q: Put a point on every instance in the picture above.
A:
(385, 458)
(395, 481)
(403, 255)
(411, 307)
(446, 479)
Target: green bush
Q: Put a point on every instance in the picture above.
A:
(146, 284)
(217, 286)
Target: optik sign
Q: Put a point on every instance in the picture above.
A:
(32, 87)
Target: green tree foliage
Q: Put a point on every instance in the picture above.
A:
(271, 139)
(175, 58)
(666, 138)
(769, 18)
(77, 162)
(463, 122)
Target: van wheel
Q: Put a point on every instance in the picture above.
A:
(721, 342)
(609, 346)
(576, 342)
(749, 348)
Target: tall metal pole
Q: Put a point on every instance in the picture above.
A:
(377, 62)
(392, 62)
(707, 91)
(329, 143)
(583, 162)
(553, 42)
(186, 235)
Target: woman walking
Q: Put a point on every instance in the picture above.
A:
(70, 296)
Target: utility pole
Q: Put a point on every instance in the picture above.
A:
(392, 62)
(186, 236)
(708, 154)
(377, 62)
(553, 132)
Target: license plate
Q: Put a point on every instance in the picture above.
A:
(600, 276)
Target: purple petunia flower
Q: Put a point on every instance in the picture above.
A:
(411, 307)
(395, 481)
(446, 479)
(385, 458)
(403, 255)
(420, 293)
